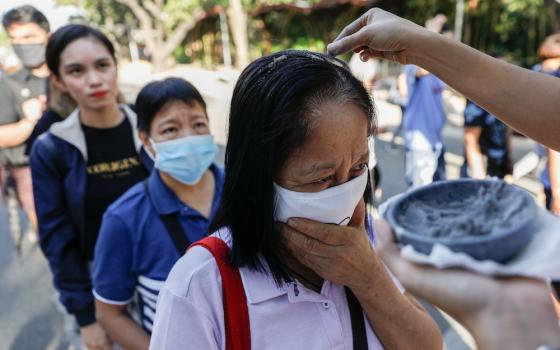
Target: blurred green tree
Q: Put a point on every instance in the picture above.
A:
(161, 24)
(189, 29)
(508, 28)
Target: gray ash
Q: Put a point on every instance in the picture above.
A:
(479, 213)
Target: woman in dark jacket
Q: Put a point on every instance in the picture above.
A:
(82, 165)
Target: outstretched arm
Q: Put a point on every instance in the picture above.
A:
(525, 100)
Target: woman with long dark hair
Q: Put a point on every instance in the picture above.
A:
(81, 165)
(298, 147)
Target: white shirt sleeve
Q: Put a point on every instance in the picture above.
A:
(189, 311)
(180, 325)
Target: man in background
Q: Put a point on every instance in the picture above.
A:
(22, 101)
(485, 137)
(423, 121)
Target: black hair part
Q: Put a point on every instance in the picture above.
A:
(66, 35)
(272, 106)
(157, 94)
(25, 14)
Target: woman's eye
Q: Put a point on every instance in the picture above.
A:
(167, 131)
(324, 180)
(103, 65)
(75, 71)
(200, 125)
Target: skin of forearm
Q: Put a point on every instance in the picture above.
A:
(430, 286)
(519, 328)
(527, 101)
(15, 134)
(398, 322)
(474, 157)
(498, 319)
(554, 173)
(122, 329)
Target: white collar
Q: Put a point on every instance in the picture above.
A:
(70, 130)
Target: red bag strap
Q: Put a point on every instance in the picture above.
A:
(236, 313)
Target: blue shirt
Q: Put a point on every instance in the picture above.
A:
(424, 116)
(134, 251)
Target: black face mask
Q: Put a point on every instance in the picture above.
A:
(30, 55)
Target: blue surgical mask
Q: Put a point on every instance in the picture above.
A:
(185, 159)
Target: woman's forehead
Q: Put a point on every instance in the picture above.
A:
(176, 109)
(84, 50)
(337, 131)
(338, 122)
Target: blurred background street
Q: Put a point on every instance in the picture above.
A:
(209, 42)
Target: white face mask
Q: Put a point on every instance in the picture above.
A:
(334, 205)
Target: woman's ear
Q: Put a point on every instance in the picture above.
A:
(58, 83)
(145, 138)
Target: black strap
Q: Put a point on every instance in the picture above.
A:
(173, 226)
(359, 337)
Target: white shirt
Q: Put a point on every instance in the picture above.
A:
(190, 315)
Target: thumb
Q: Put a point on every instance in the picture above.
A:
(359, 216)
(348, 43)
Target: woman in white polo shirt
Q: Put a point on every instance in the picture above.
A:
(298, 147)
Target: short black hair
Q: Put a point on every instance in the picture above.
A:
(155, 95)
(25, 14)
(272, 104)
(66, 35)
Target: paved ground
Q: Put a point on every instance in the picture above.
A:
(29, 318)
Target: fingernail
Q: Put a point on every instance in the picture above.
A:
(364, 56)
(331, 49)
(293, 222)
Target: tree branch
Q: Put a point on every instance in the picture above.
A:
(157, 15)
(145, 22)
(153, 9)
(181, 31)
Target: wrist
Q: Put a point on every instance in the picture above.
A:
(420, 47)
(399, 266)
(27, 122)
(375, 279)
(363, 288)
